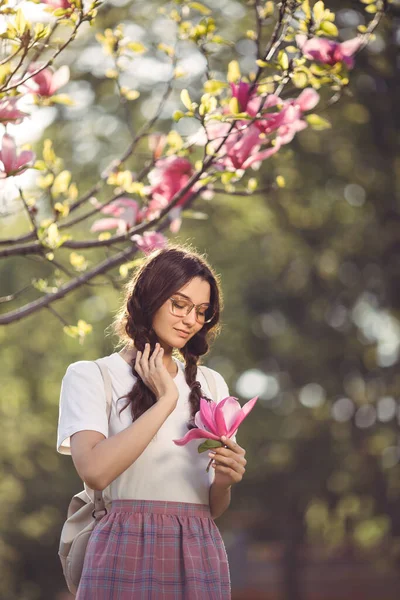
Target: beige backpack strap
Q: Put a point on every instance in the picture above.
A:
(212, 386)
(107, 384)
(99, 505)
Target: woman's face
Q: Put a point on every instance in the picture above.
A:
(167, 326)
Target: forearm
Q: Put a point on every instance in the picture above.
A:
(220, 499)
(112, 456)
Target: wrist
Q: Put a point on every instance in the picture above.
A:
(221, 486)
(168, 402)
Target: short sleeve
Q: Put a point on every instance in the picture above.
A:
(82, 403)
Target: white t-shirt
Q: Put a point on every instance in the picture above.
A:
(164, 471)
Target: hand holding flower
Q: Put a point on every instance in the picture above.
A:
(229, 463)
(216, 422)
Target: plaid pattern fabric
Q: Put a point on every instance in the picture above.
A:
(155, 550)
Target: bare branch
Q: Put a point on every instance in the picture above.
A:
(45, 301)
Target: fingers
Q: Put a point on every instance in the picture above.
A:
(235, 476)
(222, 456)
(152, 360)
(144, 362)
(233, 445)
(159, 358)
(239, 456)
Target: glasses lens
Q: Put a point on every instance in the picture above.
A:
(205, 315)
(180, 308)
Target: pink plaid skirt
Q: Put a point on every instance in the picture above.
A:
(155, 550)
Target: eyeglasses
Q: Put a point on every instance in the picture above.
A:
(182, 308)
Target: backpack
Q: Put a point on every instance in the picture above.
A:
(84, 510)
(88, 507)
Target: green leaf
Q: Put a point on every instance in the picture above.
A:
(329, 28)
(178, 114)
(233, 71)
(185, 98)
(317, 122)
(204, 10)
(319, 10)
(283, 60)
(208, 444)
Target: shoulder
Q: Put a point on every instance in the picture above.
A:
(220, 383)
(217, 376)
(82, 371)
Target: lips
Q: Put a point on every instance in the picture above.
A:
(182, 333)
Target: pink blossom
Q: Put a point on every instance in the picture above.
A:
(168, 177)
(9, 113)
(149, 241)
(157, 143)
(238, 148)
(327, 51)
(57, 3)
(243, 92)
(214, 420)
(14, 163)
(47, 82)
(124, 213)
(250, 143)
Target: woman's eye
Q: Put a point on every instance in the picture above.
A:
(179, 305)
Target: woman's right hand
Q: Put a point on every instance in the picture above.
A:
(154, 374)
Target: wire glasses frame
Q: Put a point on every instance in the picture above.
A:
(182, 308)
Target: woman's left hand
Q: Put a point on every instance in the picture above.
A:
(229, 463)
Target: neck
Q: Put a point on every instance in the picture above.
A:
(129, 352)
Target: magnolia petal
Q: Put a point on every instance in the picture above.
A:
(60, 78)
(207, 410)
(259, 156)
(26, 156)
(351, 46)
(105, 224)
(242, 415)
(231, 410)
(193, 434)
(219, 416)
(8, 153)
(301, 40)
(308, 99)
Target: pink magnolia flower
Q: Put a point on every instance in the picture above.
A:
(240, 147)
(149, 241)
(215, 420)
(47, 82)
(168, 177)
(157, 143)
(327, 51)
(14, 163)
(242, 92)
(57, 3)
(124, 214)
(9, 113)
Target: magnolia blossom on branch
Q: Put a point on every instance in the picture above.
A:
(242, 126)
(329, 52)
(14, 163)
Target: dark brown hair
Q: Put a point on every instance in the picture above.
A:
(161, 275)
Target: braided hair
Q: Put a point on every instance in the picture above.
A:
(163, 273)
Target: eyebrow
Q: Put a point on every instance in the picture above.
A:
(187, 297)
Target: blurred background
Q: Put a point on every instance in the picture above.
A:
(311, 280)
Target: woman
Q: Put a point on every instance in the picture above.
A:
(158, 539)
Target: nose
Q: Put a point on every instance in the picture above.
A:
(190, 319)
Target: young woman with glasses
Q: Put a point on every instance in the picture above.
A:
(158, 540)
